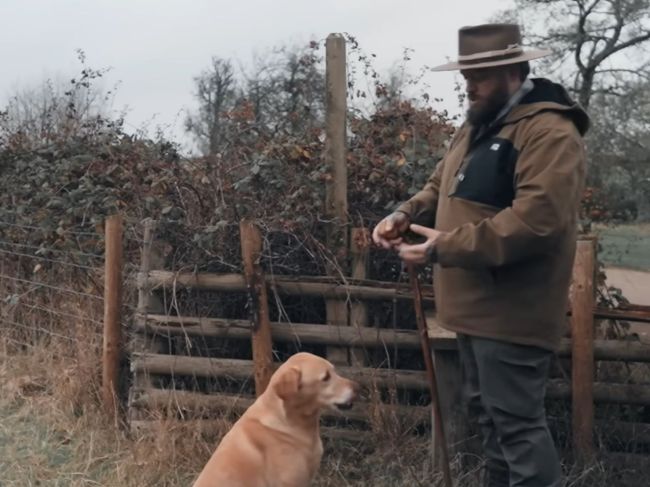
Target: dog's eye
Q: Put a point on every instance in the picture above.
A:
(326, 376)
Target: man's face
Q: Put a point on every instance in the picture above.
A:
(488, 90)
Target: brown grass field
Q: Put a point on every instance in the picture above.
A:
(53, 433)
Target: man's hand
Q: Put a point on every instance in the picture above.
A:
(419, 253)
(388, 232)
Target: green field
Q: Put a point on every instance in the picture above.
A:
(625, 246)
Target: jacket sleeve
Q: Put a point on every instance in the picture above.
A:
(422, 206)
(549, 179)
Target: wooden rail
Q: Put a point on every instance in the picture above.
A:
(291, 285)
(282, 332)
(621, 350)
(211, 428)
(243, 369)
(609, 393)
(329, 287)
(193, 403)
(158, 364)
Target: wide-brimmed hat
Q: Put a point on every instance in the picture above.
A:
(487, 45)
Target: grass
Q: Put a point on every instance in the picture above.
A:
(49, 438)
(625, 245)
(53, 433)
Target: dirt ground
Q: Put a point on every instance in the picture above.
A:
(634, 283)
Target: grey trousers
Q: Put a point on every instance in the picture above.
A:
(504, 385)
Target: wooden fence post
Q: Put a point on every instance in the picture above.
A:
(146, 342)
(582, 327)
(112, 347)
(456, 424)
(336, 204)
(359, 243)
(251, 248)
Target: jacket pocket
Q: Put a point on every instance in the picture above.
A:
(488, 175)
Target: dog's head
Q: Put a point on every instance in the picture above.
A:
(309, 382)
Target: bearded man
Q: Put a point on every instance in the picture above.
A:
(499, 217)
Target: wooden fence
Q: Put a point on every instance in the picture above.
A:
(153, 330)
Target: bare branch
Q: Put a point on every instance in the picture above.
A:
(640, 74)
(629, 43)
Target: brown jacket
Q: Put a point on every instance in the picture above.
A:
(508, 200)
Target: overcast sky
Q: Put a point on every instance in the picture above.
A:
(155, 47)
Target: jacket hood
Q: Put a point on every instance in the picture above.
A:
(549, 96)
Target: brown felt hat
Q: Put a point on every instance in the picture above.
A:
(487, 45)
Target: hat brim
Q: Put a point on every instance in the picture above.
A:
(524, 56)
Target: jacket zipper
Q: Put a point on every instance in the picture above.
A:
(459, 174)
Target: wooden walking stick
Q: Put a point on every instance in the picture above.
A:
(431, 374)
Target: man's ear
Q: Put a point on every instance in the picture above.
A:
(289, 383)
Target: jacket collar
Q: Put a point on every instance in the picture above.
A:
(525, 88)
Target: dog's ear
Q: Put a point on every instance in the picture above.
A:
(288, 384)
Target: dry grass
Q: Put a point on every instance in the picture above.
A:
(49, 437)
(53, 433)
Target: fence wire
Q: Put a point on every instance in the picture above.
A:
(48, 290)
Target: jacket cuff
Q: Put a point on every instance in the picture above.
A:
(442, 249)
(433, 253)
(406, 209)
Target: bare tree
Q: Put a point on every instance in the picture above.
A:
(216, 93)
(599, 46)
(58, 109)
(286, 88)
(600, 53)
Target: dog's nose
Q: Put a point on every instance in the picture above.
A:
(356, 387)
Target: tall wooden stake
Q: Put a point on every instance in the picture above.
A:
(336, 204)
(251, 248)
(112, 348)
(582, 325)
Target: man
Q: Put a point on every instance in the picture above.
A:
(503, 203)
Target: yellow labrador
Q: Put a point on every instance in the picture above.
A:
(276, 442)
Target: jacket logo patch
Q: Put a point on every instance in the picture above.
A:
(495, 147)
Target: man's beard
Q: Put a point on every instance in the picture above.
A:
(489, 108)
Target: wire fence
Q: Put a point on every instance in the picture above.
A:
(49, 283)
(53, 289)
(48, 228)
